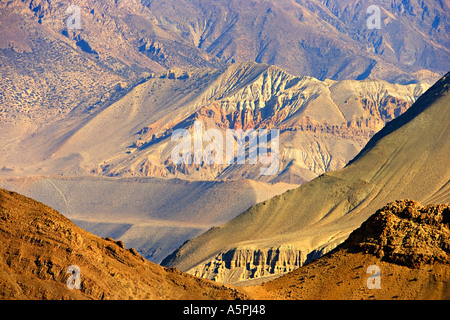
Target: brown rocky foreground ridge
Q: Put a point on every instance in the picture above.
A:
(410, 244)
(38, 245)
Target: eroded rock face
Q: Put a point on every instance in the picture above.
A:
(242, 264)
(406, 233)
(322, 124)
(403, 232)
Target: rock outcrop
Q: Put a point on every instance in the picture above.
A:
(406, 233)
(404, 245)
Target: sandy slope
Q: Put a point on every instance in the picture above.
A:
(407, 159)
(39, 244)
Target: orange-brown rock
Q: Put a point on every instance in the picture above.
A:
(406, 233)
(37, 245)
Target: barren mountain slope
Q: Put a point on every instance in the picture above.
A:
(48, 70)
(322, 125)
(154, 216)
(323, 39)
(408, 242)
(38, 245)
(406, 159)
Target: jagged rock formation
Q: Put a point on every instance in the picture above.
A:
(312, 116)
(406, 159)
(406, 233)
(322, 124)
(242, 264)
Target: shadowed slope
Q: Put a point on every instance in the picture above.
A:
(154, 216)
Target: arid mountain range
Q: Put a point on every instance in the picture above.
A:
(87, 122)
(60, 85)
(322, 125)
(323, 39)
(406, 159)
(39, 245)
(320, 38)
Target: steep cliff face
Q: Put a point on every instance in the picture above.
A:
(249, 263)
(244, 263)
